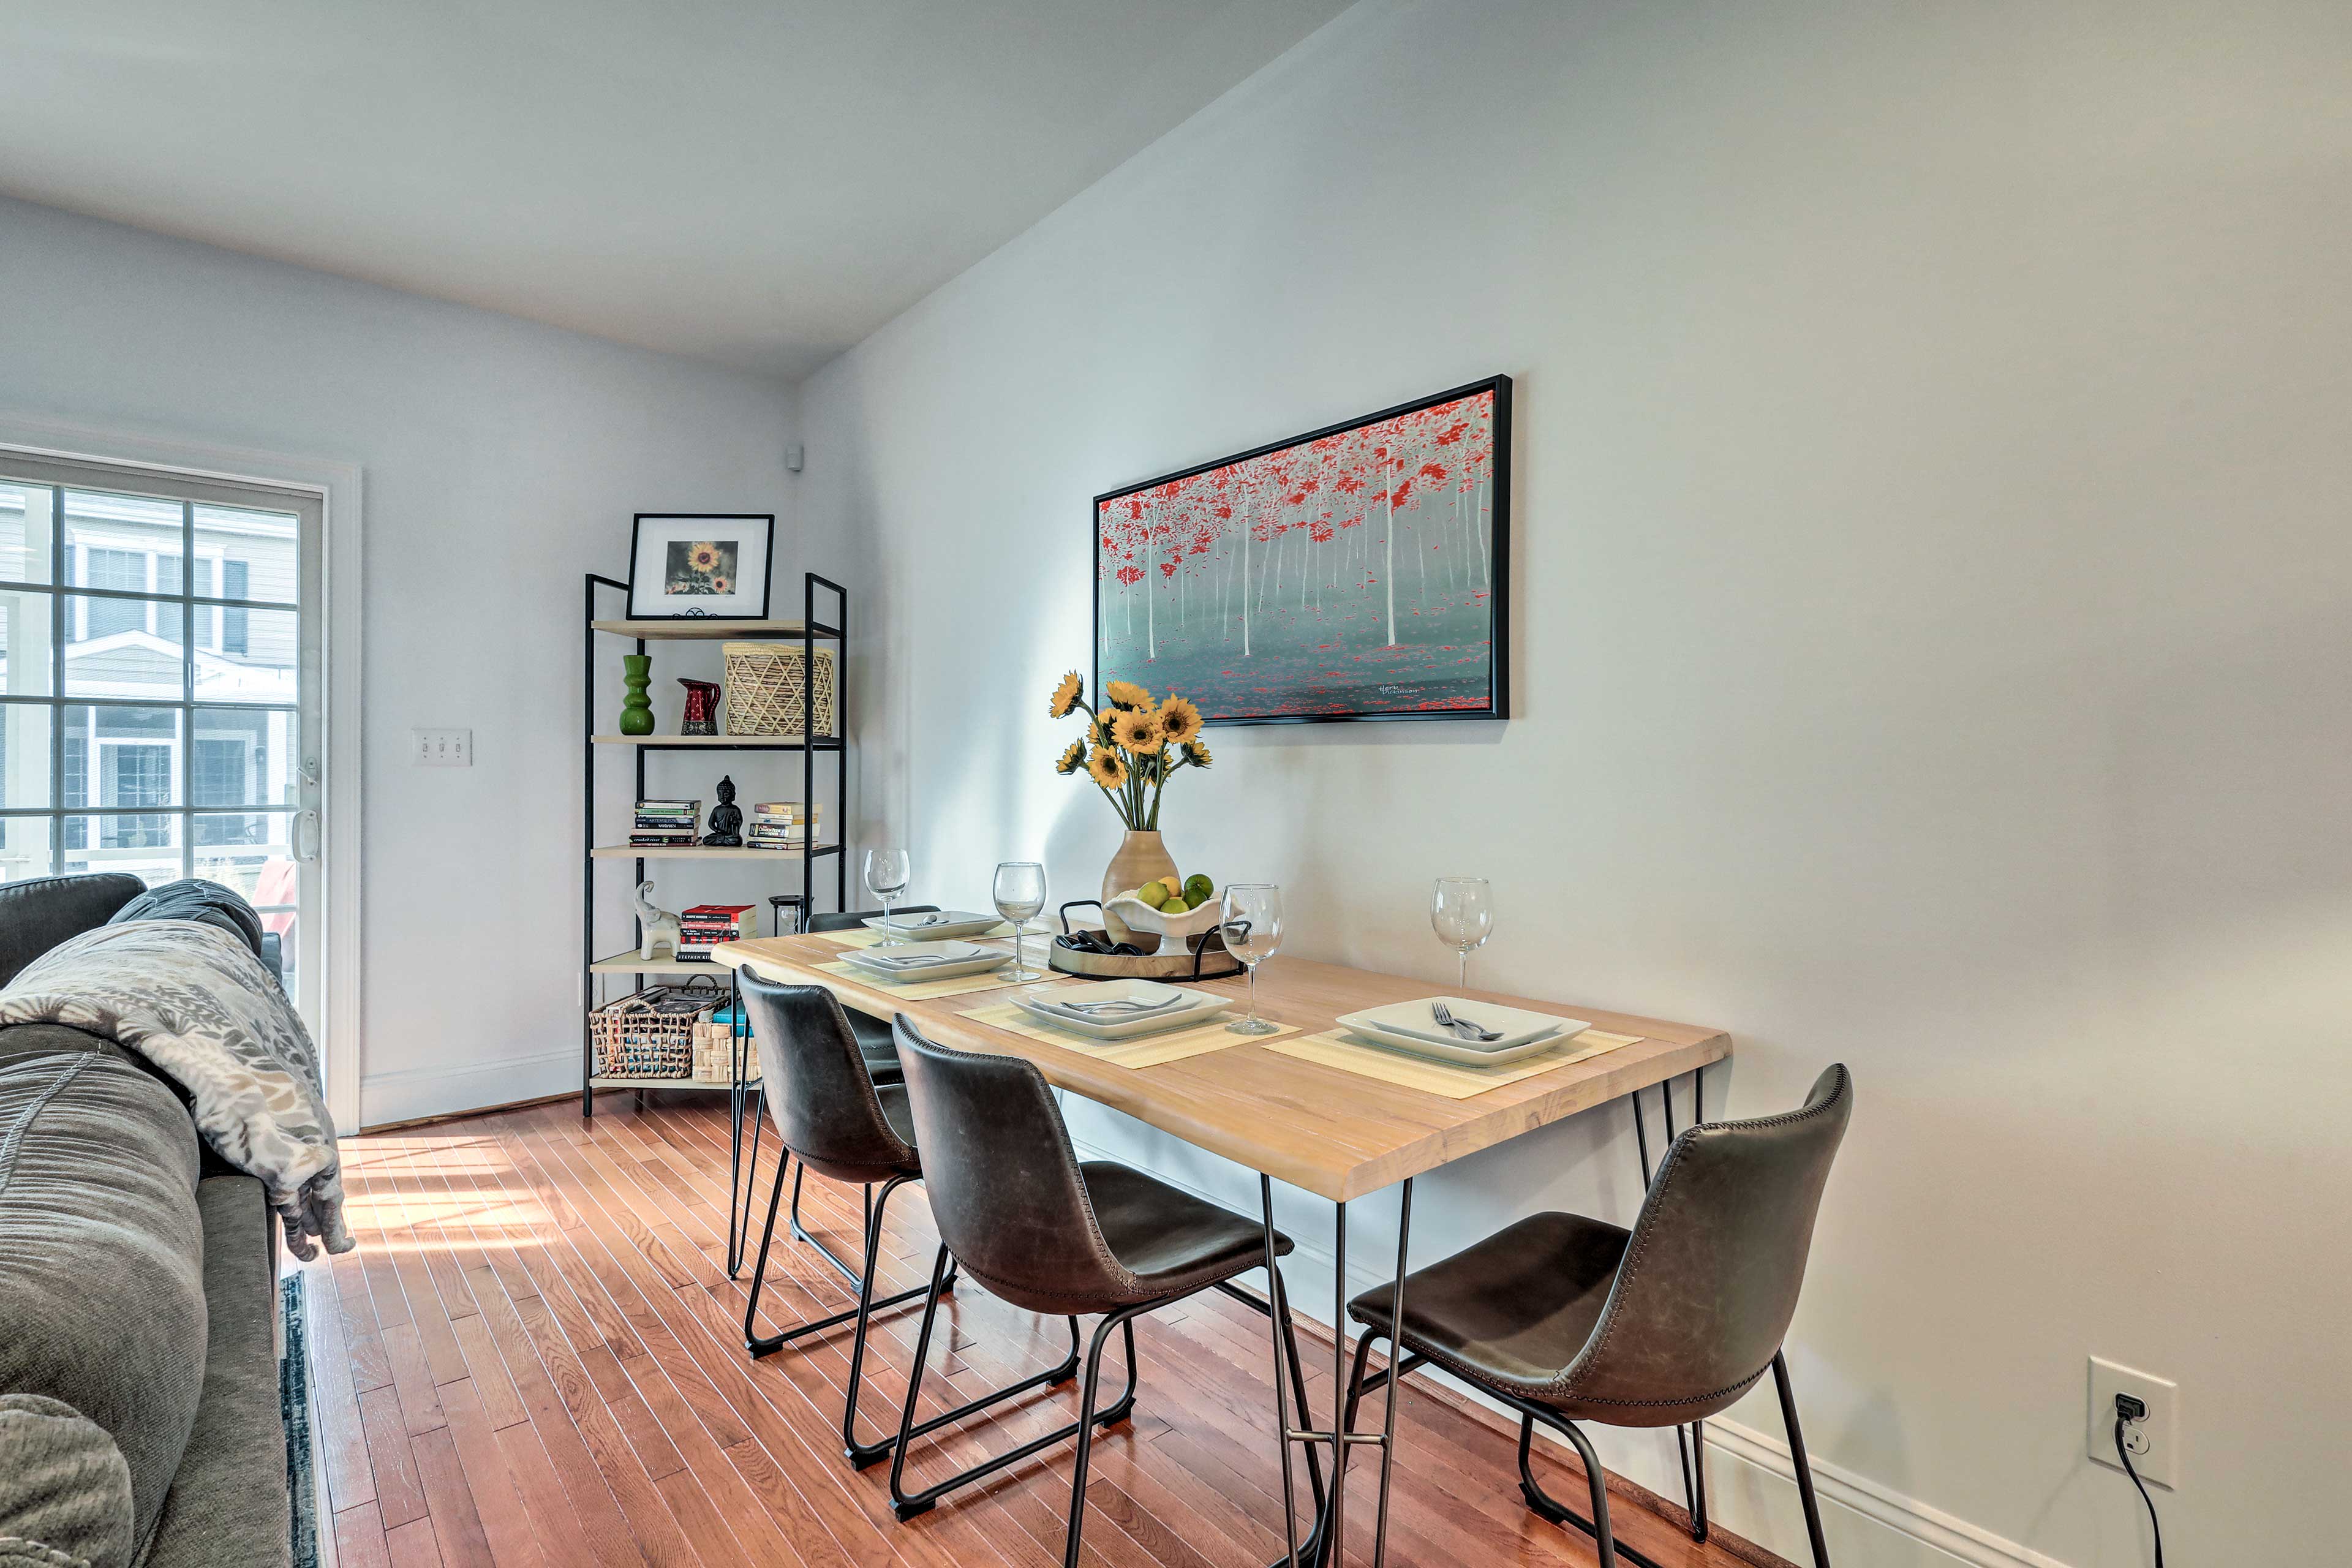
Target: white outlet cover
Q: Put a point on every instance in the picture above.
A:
(444, 749)
(2159, 1462)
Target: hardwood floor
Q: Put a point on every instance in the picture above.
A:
(535, 1357)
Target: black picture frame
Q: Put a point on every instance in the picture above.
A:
(767, 565)
(1498, 704)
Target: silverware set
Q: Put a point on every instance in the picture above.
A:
(1463, 1028)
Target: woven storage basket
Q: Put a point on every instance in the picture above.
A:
(764, 683)
(649, 1033)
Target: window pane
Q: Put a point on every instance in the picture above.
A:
(25, 754)
(242, 757)
(118, 757)
(248, 850)
(245, 656)
(24, 641)
(24, 532)
(146, 844)
(23, 847)
(255, 549)
(102, 529)
(106, 658)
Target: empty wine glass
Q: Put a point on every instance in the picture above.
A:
(1252, 930)
(1020, 893)
(886, 873)
(1462, 910)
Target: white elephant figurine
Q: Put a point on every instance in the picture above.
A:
(661, 929)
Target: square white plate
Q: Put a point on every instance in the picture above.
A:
(1467, 1053)
(911, 961)
(934, 925)
(1191, 1008)
(1414, 1021)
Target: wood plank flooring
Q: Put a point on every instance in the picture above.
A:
(535, 1358)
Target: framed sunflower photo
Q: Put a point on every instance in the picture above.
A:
(686, 565)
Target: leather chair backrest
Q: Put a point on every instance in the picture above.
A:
(818, 1089)
(1711, 1273)
(1005, 1184)
(850, 920)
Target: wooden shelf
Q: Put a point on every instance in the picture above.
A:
(630, 963)
(733, 742)
(698, 630)
(702, 852)
(664, 1083)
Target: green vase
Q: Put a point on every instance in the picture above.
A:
(636, 709)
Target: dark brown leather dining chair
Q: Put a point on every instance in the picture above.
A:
(1021, 1213)
(834, 1120)
(873, 1034)
(1567, 1319)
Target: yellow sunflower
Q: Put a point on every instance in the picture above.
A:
(1128, 694)
(1178, 721)
(1106, 727)
(1107, 769)
(704, 557)
(1065, 697)
(1137, 732)
(1072, 760)
(1196, 754)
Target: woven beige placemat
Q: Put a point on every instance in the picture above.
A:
(1348, 1054)
(867, 936)
(924, 990)
(1150, 1051)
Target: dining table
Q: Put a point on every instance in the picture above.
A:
(1297, 1108)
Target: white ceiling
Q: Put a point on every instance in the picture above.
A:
(759, 185)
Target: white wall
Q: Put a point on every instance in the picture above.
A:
(501, 460)
(1934, 581)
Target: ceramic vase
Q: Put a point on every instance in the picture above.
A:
(636, 709)
(1140, 859)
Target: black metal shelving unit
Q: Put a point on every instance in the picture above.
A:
(808, 631)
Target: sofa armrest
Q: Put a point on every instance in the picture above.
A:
(273, 955)
(40, 912)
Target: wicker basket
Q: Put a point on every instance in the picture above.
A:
(649, 1033)
(764, 687)
(714, 1055)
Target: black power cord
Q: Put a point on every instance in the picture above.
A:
(2129, 1409)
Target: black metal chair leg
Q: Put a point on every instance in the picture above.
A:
(906, 1505)
(1544, 1504)
(1086, 1426)
(1298, 1385)
(862, 1455)
(1698, 1462)
(848, 1272)
(759, 1272)
(759, 1345)
(1804, 1466)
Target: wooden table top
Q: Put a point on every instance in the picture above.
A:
(1337, 1134)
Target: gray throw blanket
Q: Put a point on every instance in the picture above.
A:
(194, 1001)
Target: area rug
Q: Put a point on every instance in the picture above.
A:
(294, 1405)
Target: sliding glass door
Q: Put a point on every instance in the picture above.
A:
(159, 692)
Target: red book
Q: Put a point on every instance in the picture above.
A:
(716, 911)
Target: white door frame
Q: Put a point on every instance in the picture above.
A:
(337, 484)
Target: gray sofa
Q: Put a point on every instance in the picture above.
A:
(140, 1420)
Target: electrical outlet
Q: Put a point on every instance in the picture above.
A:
(2154, 1442)
(444, 748)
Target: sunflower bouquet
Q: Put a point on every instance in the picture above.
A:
(1130, 746)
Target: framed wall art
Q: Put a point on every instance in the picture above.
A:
(687, 564)
(1361, 570)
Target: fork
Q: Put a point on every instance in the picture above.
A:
(1461, 1026)
(1119, 1004)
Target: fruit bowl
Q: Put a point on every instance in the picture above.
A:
(1193, 923)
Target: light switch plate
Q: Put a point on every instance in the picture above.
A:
(445, 749)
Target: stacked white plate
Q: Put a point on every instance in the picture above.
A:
(933, 924)
(908, 961)
(1122, 1010)
(1413, 1026)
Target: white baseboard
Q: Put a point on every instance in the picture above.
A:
(1754, 1495)
(415, 1092)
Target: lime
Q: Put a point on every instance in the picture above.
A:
(1194, 897)
(1174, 906)
(1199, 890)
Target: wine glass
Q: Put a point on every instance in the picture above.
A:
(1252, 930)
(1462, 910)
(1020, 892)
(887, 872)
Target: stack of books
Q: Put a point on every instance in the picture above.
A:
(665, 823)
(705, 926)
(782, 824)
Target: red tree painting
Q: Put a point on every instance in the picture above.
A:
(1356, 571)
